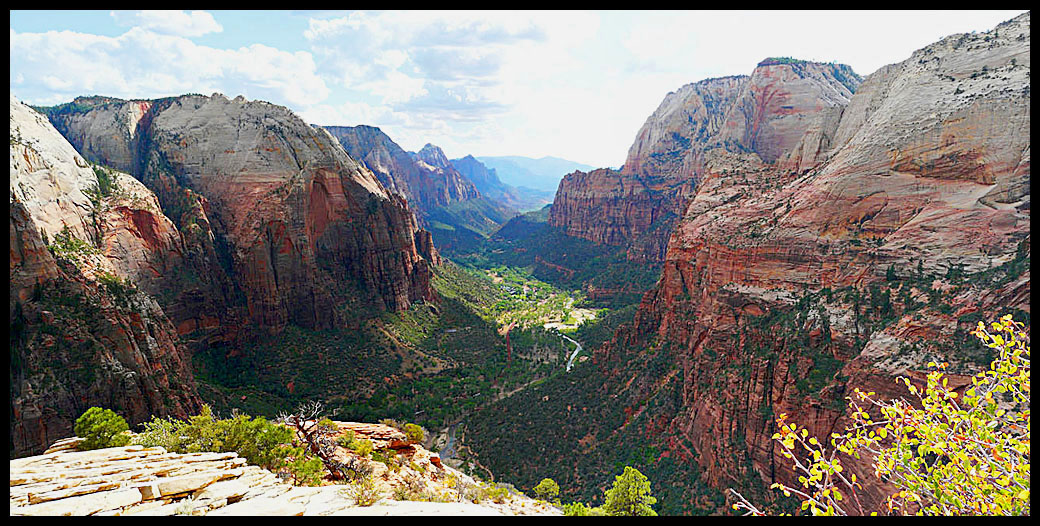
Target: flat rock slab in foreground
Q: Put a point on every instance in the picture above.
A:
(135, 480)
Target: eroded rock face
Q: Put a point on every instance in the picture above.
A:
(85, 329)
(426, 178)
(767, 279)
(767, 114)
(279, 222)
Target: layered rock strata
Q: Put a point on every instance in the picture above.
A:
(857, 257)
(280, 223)
(765, 114)
(86, 329)
(142, 481)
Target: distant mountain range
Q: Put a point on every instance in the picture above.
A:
(539, 174)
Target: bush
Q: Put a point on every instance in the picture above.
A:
(101, 428)
(945, 457)
(578, 509)
(547, 489)
(260, 442)
(363, 491)
(414, 432)
(363, 447)
(630, 495)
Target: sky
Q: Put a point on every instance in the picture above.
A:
(570, 84)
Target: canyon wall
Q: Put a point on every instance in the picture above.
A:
(280, 223)
(766, 114)
(807, 265)
(85, 327)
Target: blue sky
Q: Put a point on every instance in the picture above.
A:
(572, 84)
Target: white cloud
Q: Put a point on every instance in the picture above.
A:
(177, 23)
(571, 84)
(143, 64)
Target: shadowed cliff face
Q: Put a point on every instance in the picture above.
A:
(85, 328)
(765, 114)
(870, 247)
(280, 224)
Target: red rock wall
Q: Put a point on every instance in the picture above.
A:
(912, 178)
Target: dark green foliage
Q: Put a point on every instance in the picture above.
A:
(68, 247)
(101, 428)
(528, 242)
(256, 440)
(259, 441)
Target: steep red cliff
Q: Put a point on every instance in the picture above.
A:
(870, 248)
(279, 222)
(766, 113)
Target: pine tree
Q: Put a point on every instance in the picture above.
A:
(630, 495)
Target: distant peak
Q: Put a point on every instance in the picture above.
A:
(433, 156)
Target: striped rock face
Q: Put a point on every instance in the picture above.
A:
(89, 330)
(767, 114)
(856, 257)
(268, 205)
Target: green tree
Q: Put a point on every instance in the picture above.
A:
(101, 428)
(547, 489)
(630, 495)
(259, 441)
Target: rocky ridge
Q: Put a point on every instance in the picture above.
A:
(763, 298)
(765, 114)
(487, 181)
(277, 218)
(85, 322)
(140, 481)
(445, 201)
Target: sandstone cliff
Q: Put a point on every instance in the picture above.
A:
(279, 223)
(444, 200)
(766, 114)
(85, 327)
(870, 247)
(424, 179)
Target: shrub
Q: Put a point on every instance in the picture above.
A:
(257, 440)
(101, 428)
(363, 447)
(468, 491)
(414, 432)
(389, 457)
(547, 489)
(630, 495)
(946, 457)
(578, 509)
(363, 491)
